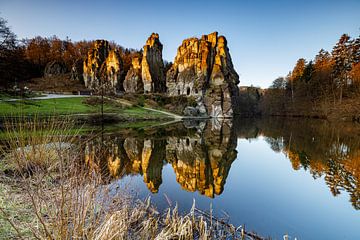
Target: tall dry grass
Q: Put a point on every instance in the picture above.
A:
(66, 199)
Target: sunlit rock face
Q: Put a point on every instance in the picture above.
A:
(203, 68)
(133, 81)
(152, 66)
(103, 66)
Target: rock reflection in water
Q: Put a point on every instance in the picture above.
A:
(201, 153)
(202, 162)
(201, 156)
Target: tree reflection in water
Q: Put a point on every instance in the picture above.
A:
(324, 149)
(201, 153)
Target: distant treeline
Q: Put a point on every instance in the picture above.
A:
(326, 87)
(24, 59)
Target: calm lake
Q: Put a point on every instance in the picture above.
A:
(276, 176)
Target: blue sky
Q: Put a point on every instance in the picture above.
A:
(265, 37)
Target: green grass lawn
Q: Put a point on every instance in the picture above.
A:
(45, 107)
(70, 106)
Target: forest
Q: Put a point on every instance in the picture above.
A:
(24, 59)
(326, 87)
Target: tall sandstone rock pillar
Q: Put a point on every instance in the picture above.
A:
(152, 66)
(146, 74)
(103, 66)
(203, 68)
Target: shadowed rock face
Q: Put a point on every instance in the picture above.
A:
(203, 68)
(103, 65)
(152, 66)
(54, 68)
(77, 70)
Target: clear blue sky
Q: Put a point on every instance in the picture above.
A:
(265, 37)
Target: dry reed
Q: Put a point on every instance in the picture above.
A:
(66, 199)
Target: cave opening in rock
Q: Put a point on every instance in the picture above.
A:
(178, 91)
(188, 91)
(196, 91)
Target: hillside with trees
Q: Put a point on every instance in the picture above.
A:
(326, 87)
(23, 61)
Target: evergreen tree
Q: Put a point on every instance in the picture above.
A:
(356, 50)
(342, 54)
(279, 83)
(308, 72)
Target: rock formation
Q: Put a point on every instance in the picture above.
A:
(133, 82)
(77, 70)
(152, 66)
(54, 68)
(103, 66)
(203, 68)
(146, 74)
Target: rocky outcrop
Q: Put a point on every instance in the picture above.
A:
(103, 66)
(146, 75)
(77, 70)
(55, 68)
(133, 81)
(191, 111)
(203, 68)
(152, 66)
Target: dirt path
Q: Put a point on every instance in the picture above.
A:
(163, 112)
(127, 103)
(48, 96)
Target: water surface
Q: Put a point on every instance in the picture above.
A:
(276, 176)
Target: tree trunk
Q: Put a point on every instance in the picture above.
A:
(341, 93)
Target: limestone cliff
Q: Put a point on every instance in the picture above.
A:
(103, 66)
(133, 81)
(203, 68)
(152, 66)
